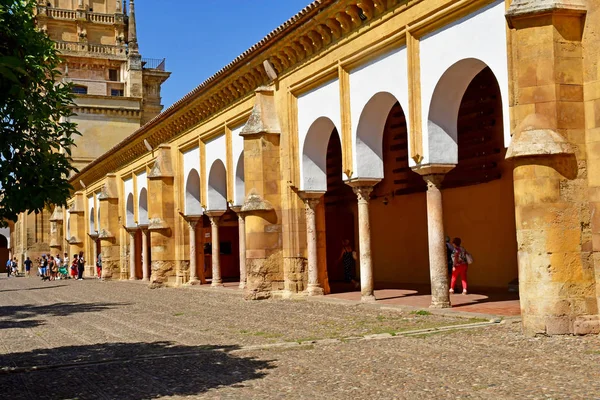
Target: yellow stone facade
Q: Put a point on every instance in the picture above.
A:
(496, 105)
(117, 92)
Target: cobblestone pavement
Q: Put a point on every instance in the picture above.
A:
(121, 340)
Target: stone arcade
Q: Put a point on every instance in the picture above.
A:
(388, 123)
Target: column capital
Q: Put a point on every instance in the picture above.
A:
(310, 198)
(433, 174)
(191, 219)
(214, 217)
(131, 229)
(238, 210)
(433, 169)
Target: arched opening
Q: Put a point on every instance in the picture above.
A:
(228, 248)
(143, 207)
(478, 193)
(217, 187)
(4, 253)
(369, 135)
(92, 222)
(240, 185)
(399, 245)
(442, 128)
(314, 155)
(192, 194)
(129, 213)
(340, 209)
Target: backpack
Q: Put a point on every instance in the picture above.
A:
(468, 257)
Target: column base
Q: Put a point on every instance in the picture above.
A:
(145, 279)
(367, 298)
(440, 304)
(242, 285)
(314, 290)
(216, 284)
(133, 278)
(193, 282)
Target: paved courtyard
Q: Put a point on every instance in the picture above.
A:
(121, 340)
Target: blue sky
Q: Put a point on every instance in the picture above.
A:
(199, 37)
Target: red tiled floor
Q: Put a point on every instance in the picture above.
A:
(483, 301)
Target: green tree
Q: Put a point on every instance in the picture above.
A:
(35, 132)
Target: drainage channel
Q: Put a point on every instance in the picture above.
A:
(283, 345)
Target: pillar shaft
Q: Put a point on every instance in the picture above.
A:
(193, 256)
(132, 255)
(438, 264)
(145, 264)
(216, 258)
(311, 201)
(242, 242)
(364, 238)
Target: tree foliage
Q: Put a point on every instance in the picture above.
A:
(35, 132)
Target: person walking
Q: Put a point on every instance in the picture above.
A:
(52, 268)
(8, 267)
(74, 267)
(99, 265)
(80, 266)
(449, 251)
(459, 265)
(27, 263)
(44, 266)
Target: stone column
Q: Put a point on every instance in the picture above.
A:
(242, 244)
(193, 223)
(161, 216)
(554, 151)
(109, 227)
(145, 264)
(311, 200)
(363, 191)
(438, 263)
(214, 217)
(132, 233)
(262, 204)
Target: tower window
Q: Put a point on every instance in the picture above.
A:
(79, 89)
(113, 75)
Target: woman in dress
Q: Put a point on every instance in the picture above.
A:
(459, 265)
(80, 266)
(74, 267)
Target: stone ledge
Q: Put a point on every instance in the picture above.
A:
(587, 325)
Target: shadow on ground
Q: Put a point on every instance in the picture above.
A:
(21, 316)
(125, 371)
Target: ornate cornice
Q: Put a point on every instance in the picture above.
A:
(116, 112)
(319, 25)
